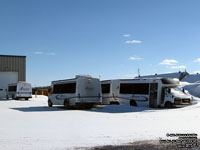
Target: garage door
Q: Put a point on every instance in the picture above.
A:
(5, 79)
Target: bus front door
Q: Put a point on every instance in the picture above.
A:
(153, 95)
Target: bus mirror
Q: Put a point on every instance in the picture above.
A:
(183, 90)
(169, 90)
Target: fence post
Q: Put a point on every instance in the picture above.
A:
(35, 94)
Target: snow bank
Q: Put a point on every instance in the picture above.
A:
(192, 88)
(32, 125)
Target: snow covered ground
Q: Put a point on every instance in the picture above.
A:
(31, 125)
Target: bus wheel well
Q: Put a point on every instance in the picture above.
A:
(168, 104)
(133, 102)
(66, 104)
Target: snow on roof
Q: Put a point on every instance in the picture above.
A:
(192, 88)
(177, 75)
(192, 78)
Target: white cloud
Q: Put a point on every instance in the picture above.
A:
(178, 67)
(38, 53)
(135, 58)
(126, 35)
(197, 60)
(43, 53)
(133, 42)
(169, 62)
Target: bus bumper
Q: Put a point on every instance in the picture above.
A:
(181, 105)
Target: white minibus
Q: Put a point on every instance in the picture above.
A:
(160, 92)
(19, 90)
(77, 92)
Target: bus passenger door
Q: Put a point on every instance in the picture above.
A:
(153, 95)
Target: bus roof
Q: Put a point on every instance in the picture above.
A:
(163, 80)
(72, 79)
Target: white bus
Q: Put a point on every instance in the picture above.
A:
(77, 92)
(162, 92)
(19, 90)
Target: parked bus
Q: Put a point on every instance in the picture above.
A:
(19, 90)
(77, 92)
(160, 92)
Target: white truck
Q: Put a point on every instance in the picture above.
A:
(19, 90)
(160, 92)
(81, 91)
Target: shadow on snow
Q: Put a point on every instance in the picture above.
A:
(39, 109)
(96, 108)
(122, 109)
(3, 99)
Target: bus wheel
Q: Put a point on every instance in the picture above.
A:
(50, 104)
(7, 97)
(66, 104)
(168, 105)
(114, 103)
(26, 98)
(89, 106)
(133, 103)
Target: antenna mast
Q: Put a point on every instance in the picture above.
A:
(138, 72)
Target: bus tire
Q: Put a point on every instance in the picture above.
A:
(133, 103)
(66, 104)
(168, 105)
(88, 106)
(50, 104)
(7, 97)
(26, 98)
(114, 103)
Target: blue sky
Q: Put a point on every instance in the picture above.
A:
(106, 38)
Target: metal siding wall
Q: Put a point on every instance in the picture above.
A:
(14, 63)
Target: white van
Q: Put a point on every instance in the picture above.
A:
(19, 90)
(79, 91)
(160, 92)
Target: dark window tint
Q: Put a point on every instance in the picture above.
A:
(12, 88)
(130, 88)
(105, 88)
(64, 88)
